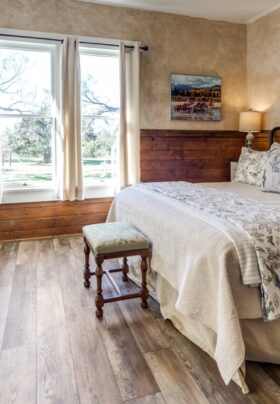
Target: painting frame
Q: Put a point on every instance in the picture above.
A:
(195, 97)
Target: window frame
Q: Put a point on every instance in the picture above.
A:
(54, 49)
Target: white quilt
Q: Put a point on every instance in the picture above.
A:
(253, 227)
(200, 263)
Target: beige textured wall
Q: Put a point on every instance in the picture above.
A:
(263, 41)
(177, 44)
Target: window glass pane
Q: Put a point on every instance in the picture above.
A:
(100, 84)
(25, 82)
(26, 152)
(100, 117)
(99, 150)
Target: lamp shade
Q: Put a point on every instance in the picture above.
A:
(250, 121)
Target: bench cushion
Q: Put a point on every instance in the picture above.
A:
(105, 238)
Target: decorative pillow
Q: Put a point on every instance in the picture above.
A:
(271, 175)
(251, 166)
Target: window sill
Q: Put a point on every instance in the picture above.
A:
(100, 191)
(45, 195)
(28, 195)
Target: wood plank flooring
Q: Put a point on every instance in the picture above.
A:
(54, 350)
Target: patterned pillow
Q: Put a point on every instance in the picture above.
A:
(271, 175)
(251, 166)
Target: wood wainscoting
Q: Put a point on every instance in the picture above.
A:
(54, 218)
(185, 155)
(166, 155)
(261, 141)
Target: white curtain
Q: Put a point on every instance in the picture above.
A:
(72, 177)
(129, 140)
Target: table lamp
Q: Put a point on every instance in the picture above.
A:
(250, 121)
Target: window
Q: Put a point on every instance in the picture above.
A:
(30, 148)
(100, 115)
(28, 105)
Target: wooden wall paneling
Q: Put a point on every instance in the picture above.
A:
(196, 156)
(51, 209)
(51, 222)
(261, 141)
(54, 218)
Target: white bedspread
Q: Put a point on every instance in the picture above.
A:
(198, 201)
(253, 227)
(200, 263)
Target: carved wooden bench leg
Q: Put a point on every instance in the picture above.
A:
(99, 300)
(125, 270)
(87, 273)
(144, 291)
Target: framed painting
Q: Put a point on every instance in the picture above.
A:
(195, 98)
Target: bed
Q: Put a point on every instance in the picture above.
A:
(196, 273)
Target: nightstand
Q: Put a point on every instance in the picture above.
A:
(233, 168)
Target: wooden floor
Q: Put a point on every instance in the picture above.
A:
(54, 350)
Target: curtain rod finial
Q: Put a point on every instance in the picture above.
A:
(145, 48)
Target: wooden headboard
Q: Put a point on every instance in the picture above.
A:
(273, 135)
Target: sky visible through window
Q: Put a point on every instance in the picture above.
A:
(102, 75)
(27, 75)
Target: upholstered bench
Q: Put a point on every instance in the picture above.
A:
(114, 240)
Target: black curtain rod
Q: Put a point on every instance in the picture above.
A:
(31, 37)
(143, 48)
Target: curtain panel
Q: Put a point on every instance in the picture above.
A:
(129, 139)
(72, 177)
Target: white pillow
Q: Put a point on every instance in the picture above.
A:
(251, 166)
(271, 175)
